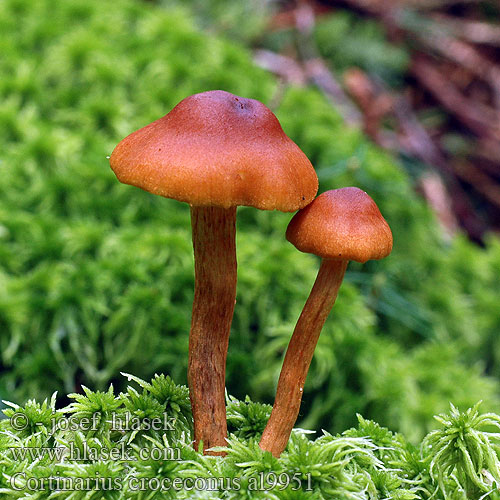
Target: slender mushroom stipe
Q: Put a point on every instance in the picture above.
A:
(299, 354)
(215, 151)
(214, 231)
(339, 225)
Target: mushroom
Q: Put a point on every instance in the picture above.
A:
(339, 225)
(215, 150)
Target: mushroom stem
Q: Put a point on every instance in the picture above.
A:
(299, 355)
(214, 230)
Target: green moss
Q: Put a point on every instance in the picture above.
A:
(137, 445)
(96, 277)
(347, 40)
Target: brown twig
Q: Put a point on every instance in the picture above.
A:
(309, 68)
(487, 151)
(374, 105)
(285, 67)
(416, 141)
(376, 6)
(472, 31)
(437, 195)
(434, 4)
(479, 118)
(479, 180)
(318, 74)
(463, 80)
(316, 70)
(466, 57)
(421, 145)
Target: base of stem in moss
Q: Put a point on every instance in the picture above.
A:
(214, 230)
(299, 355)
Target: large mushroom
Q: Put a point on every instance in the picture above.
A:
(339, 225)
(215, 151)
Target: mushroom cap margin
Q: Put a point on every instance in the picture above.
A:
(216, 148)
(341, 224)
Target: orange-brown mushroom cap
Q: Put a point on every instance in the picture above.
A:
(342, 224)
(216, 148)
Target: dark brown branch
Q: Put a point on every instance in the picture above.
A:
(417, 142)
(284, 67)
(471, 31)
(321, 76)
(479, 118)
(479, 180)
(374, 105)
(316, 70)
(465, 56)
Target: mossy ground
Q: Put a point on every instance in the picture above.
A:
(137, 445)
(96, 277)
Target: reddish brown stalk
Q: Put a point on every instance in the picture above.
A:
(299, 355)
(214, 246)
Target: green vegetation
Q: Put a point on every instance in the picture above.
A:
(96, 277)
(44, 451)
(346, 40)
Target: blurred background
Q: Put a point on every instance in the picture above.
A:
(399, 98)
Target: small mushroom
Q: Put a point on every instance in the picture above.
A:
(215, 151)
(339, 225)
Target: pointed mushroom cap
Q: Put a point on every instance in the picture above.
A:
(341, 224)
(216, 148)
